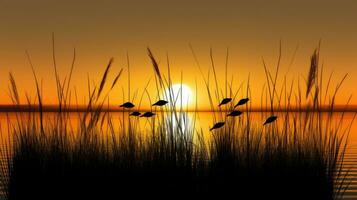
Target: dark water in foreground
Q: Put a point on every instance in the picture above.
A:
(203, 121)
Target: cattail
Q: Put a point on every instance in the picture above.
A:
(104, 78)
(154, 63)
(312, 72)
(116, 79)
(15, 93)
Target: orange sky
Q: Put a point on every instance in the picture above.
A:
(112, 28)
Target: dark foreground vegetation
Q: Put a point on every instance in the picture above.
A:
(295, 157)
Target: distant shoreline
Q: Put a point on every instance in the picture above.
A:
(55, 108)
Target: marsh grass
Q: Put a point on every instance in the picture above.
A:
(300, 158)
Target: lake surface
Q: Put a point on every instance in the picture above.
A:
(202, 121)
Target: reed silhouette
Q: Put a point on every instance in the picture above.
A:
(297, 159)
(225, 101)
(147, 114)
(160, 103)
(135, 113)
(127, 105)
(217, 125)
(234, 113)
(242, 102)
(270, 119)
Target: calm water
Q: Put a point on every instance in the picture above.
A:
(201, 121)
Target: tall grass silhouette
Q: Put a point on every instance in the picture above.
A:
(296, 157)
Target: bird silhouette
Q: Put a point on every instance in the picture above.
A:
(148, 114)
(225, 101)
(136, 113)
(160, 103)
(127, 105)
(234, 113)
(217, 125)
(242, 102)
(270, 120)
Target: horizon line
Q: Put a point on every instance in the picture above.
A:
(111, 108)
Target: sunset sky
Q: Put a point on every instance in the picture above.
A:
(100, 30)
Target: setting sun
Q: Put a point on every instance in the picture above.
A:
(228, 99)
(181, 93)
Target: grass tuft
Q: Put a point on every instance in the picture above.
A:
(295, 156)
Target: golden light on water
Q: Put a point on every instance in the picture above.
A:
(181, 67)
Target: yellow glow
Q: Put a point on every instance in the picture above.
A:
(182, 95)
